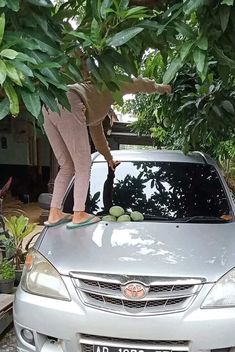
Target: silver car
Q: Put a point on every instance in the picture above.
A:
(165, 284)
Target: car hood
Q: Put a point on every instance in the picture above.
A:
(144, 249)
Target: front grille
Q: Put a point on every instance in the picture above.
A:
(163, 295)
(137, 304)
(169, 288)
(131, 341)
(87, 342)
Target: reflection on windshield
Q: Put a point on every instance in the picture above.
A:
(163, 189)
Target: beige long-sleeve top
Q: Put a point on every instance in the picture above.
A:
(98, 105)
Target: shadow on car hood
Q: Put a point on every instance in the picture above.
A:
(145, 248)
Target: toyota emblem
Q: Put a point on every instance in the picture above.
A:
(134, 290)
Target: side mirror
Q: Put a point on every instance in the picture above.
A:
(44, 201)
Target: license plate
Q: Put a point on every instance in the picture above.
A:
(102, 348)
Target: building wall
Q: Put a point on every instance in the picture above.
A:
(20, 145)
(15, 153)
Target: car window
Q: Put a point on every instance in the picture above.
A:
(167, 189)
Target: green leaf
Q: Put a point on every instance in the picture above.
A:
(123, 4)
(40, 120)
(45, 25)
(2, 3)
(24, 57)
(3, 72)
(228, 106)
(185, 30)
(51, 74)
(94, 69)
(224, 59)
(4, 108)
(13, 74)
(193, 5)
(149, 24)
(62, 98)
(29, 84)
(2, 26)
(94, 8)
(42, 79)
(106, 4)
(106, 68)
(185, 49)
(203, 43)
(75, 72)
(185, 105)
(44, 47)
(81, 36)
(117, 95)
(217, 110)
(227, 2)
(124, 36)
(224, 14)
(199, 57)
(204, 73)
(9, 53)
(32, 102)
(48, 65)
(171, 10)
(95, 31)
(174, 67)
(13, 5)
(44, 3)
(135, 12)
(13, 98)
(23, 68)
(57, 84)
(49, 100)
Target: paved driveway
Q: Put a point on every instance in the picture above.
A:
(8, 341)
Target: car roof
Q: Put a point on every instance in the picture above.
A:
(156, 155)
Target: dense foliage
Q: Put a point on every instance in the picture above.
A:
(38, 49)
(199, 61)
(188, 43)
(30, 57)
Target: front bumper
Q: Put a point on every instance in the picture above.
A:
(61, 326)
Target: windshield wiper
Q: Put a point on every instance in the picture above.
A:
(202, 218)
(157, 217)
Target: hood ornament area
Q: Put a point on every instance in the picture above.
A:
(134, 290)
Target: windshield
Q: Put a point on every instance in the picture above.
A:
(161, 189)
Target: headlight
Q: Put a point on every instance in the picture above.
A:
(41, 278)
(222, 293)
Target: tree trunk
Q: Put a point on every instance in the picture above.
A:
(18, 259)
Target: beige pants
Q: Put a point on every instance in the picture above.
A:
(68, 136)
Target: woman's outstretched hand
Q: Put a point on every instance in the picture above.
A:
(113, 164)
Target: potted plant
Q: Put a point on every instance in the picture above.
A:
(18, 228)
(7, 276)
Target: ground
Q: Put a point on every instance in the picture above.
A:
(12, 206)
(8, 341)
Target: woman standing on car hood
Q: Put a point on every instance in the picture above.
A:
(68, 136)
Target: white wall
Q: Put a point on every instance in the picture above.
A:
(20, 143)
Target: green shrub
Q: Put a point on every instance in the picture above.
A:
(7, 271)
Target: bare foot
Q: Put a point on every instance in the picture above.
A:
(55, 215)
(80, 216)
